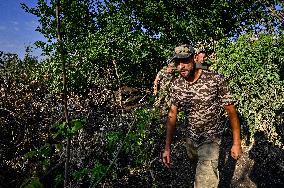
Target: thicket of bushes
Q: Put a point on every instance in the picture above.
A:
(109, 147)
(254, 66)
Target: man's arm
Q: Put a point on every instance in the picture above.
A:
(236, 149)
(171, 125)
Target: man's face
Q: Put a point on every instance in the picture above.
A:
(200, 58)
(185, 66)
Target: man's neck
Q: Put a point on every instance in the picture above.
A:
(195, 76)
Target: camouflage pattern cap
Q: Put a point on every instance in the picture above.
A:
(183, 51)
(200, 47)
(199, 50)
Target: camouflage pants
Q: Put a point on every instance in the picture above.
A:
(207, 154)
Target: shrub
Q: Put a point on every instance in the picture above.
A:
(254, 68)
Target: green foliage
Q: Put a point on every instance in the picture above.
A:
(98, 171)
(181, 118)
(137, 35)
(141, 140)
(44, 151)
(59, 179)
(33, 182)
(76, 21)
(62, 130)
(113, 138)
(76, 26)
(51, 71)
(78, 174)
(183, 21)
(16, 73)
(95, 173)
(41, 159)
(253, 66)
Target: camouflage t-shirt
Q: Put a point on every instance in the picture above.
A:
(165, 78)
(163, 101)
(203, 102)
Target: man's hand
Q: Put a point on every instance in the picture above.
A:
(171, 124)
(236, 151)
(167, 158)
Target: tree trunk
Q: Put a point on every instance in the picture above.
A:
(62, 56)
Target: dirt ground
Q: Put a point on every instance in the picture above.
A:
(260, 166)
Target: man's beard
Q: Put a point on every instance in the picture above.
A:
(190, 72)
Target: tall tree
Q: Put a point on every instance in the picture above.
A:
(183, 21)
(65, 99)
(139, 35)
(77, 22)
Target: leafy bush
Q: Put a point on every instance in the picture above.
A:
(132, 146)
(32, 183)
(253, 67)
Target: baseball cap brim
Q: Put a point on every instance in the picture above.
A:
(182, 56)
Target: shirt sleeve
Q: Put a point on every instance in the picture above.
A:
(162, 72)
(224, 92)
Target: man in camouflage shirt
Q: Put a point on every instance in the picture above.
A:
(199, 58)
(202, 95)
(161, 87)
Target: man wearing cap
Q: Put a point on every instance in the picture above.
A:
(202, 95)
(163, 76)
(199, 58)
(161, 88)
